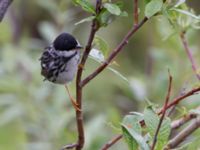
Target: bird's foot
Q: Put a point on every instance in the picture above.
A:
(74, 103)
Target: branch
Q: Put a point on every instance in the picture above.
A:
(183, 134)
(189, 54)
(135, 13)
(114, 53)
(178, 99)
(79, 114)
(175, 102)
(4, 4)
(112, 142)
(164, 111)
(178, 123)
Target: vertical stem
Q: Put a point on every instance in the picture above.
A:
(79, 88)
(189, 54)
(79, 119)
(163, 114)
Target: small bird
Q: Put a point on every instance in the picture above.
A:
(60, 60)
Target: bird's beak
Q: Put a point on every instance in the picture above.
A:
(79, 46)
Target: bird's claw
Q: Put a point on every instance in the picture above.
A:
(74, 103)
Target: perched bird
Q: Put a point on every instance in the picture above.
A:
(59, 61)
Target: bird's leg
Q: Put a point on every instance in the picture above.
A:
(72, 99)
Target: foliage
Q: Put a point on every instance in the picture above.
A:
(38, 115)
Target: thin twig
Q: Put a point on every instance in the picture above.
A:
(175, 101)
(135, 12)
(164, 111)
(180, 98)
(178, 123)
(183, 134)
(4, 4)
(189, 54)
(113, 53)
(112, 142)
(79, 114)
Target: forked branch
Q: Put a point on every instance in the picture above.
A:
(164, 111)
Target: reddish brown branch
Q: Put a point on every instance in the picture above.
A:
(178, 99)
(113, 53)
(79, 114)
(163, 114)
(135, 12)
(189, 54)
(183, 134)
(112, 142)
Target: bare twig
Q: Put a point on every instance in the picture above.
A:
(178, 123)
(114, 53)
(4, 4)
(175, 101)
(135, 12)
(112, 142)
(164, 111)
(189, 54)
(183, 134)
(180, 98)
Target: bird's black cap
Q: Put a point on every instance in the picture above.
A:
(65, 42)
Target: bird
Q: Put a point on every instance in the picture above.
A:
(60, 60)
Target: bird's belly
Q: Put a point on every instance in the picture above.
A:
(65, 77)
(69, 73)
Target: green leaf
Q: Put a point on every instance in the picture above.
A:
(179, 3)
(124, 14)
(153, 7)
(131, 142)
(88, 19)
(186, 13)
(87, 6)
(132, 132)
(112, 8)
(152, 120)
(105, 17)
(98, 56)
(101, 45)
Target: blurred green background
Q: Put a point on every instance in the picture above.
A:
(37, 115)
